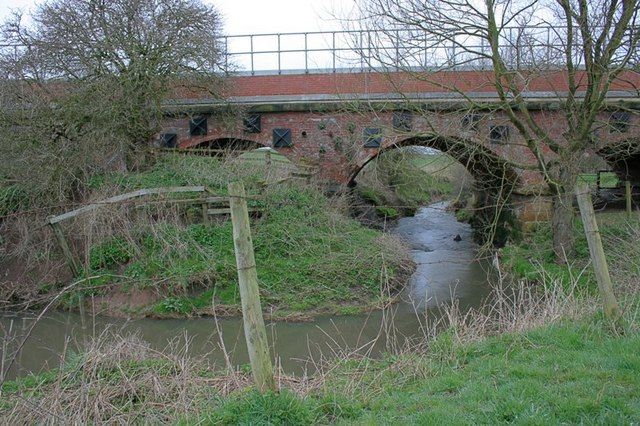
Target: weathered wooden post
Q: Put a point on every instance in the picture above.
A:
(205, 212)
(611, 308)
(66, 250)
(627, 192)
(254, 329)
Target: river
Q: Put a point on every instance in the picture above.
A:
(446, 270)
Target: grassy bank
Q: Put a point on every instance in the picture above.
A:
(537, 358)
(161, 259)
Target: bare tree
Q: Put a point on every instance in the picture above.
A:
(592, 43)
(86, 81)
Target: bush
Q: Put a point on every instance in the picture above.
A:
(116, 250)
(387, 212)
(12, 199)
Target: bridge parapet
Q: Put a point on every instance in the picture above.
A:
(454, 88)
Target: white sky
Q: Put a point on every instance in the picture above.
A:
(257, 16)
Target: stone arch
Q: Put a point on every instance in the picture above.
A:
(495, 180)
(484, 164)
(624, 158)
(222, 143)
(230, 144)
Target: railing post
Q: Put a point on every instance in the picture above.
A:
(254, 329)
(426, 44)
(518, 53)
(362, 50)
(306, 55)
(279, 54)
(251, 54)
(548, 46)
(453, 52)
(397, 50)
(226, 54)
(333, 50)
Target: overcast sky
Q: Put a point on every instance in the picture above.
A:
(258, 16)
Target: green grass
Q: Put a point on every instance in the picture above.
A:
(13, 198)
(573, 371)
(419, 179)
(310, 258)
(533, 257)
(568, 373)
(563, 374)
(608, 179)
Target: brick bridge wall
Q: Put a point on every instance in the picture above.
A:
(327, 131)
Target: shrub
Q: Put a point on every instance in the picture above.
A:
(12, 199)
(114, 251)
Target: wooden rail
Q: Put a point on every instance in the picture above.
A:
(124, 197)
(211, 206)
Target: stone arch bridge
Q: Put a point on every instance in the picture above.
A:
(337, 122)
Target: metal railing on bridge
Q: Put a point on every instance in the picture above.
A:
(361, 50)
(521, 47)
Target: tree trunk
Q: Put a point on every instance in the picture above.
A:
(563, 215)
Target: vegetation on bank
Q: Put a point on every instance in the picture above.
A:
(161, 259)
(539, 357)
(398, 182)
(533, 258)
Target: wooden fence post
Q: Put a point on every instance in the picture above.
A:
(611, 308)
(205, 213)
(254, 329)
(66, 250)
(627, 192)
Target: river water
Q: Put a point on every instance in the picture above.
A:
(446, 270)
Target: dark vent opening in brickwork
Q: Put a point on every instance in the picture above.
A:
(402, 121)
(372, 137)
(198, 126)
(168, 140)
(619, 122)
(252, 123)
(498, 134)
(282, 138)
